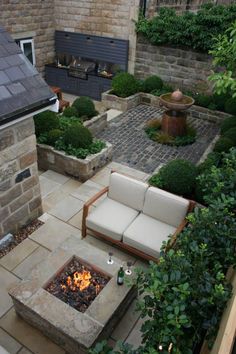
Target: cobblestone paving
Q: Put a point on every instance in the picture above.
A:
(133, 147)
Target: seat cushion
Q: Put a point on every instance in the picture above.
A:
(164, 206)
(127, 191)
(147, 234)
(111, 218)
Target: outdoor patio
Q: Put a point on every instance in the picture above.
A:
(63, 199)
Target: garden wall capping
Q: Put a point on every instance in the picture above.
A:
(83, 169)
(112, 101)
(97, 123)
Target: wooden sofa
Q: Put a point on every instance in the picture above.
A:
(135, 216)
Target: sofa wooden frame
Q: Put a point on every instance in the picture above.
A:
(120, 243)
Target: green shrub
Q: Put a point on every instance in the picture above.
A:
(203, 100)
(231, 134)
(85, 107)
(230, 106)
(219, 101)
(178, 177)
(78, 136)
(45, 121)
(124, 85)
(227, 124)
(213, 159)
(223, 145)
(53, 135)
(70, 112)
(152, 83)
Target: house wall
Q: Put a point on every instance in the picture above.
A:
(100, 17)
(181, 68)
(31, 18)
(20, 200)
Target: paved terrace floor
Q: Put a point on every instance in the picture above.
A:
(63, 199)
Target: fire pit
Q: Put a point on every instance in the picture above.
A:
(77, 284)
(73, 297)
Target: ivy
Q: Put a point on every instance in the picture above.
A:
(195, 31)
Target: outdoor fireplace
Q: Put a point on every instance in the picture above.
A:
(77, 284)
(76, 270)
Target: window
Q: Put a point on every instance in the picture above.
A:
(27, 47)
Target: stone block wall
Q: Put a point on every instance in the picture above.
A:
(31, 18)
(20, 199)
(181, 68)
(100, 17)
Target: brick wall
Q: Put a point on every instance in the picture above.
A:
(100, 17)
(36, 16)
(181, 68)
(20, 200)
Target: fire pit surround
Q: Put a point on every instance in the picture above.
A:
(77, 284)
(74, 327)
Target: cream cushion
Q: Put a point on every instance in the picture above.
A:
(166, 207)
(147, 234)
(127, 191)
(111, 218)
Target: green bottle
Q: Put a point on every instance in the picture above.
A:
(120, 276)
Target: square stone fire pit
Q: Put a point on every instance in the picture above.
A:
(73, 330)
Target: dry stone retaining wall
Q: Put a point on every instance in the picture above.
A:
(20, 200)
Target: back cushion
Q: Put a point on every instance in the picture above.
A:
(164, 206)
(127, 191)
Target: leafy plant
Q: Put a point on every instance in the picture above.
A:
(66, 122)
(203, 100)
(153, 131)
(70, 112)
(53, 135)
(177, 176)
(213, 159)
(231, 134)
(154, 123)
(78, 136)
(230, 106)
(223, 145)
(190, 30)
(164, 138)
(80, 153)
(124, 85)
(227, 124)
(45, 121)
(152, 83)
(85, 107)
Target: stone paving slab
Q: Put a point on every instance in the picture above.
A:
(6, 279)
(76, 220)
(66, 208)
(87, 190)
(9, 343)
(25, 267)
(18, 254)
(30, 337)
(132, 147)
(56, 177)
(47, 186)
(53, 232)
(24, 351)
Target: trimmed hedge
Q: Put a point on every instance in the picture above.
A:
(78, 136)
(124, 85)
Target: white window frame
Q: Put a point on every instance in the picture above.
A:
(28, 40)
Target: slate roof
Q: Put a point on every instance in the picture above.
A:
(22, 90)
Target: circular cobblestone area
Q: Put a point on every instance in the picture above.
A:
(131, 145)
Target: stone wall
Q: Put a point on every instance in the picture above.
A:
(20, 200)
(181, 68)
(35, 19)
(100, 17)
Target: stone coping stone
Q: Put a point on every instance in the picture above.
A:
(74, 331)
(51, 159)
(112, 101)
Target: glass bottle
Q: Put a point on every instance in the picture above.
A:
(120, 276)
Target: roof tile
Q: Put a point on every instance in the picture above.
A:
(4, 79)
(4, 93)
(16, 88)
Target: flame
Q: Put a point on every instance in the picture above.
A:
(79, 280)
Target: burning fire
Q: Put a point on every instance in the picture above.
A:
(79, 280)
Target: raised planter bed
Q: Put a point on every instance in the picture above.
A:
(112, 101)
(97, 123)
(83, 169)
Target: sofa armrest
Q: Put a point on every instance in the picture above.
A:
(86, 208)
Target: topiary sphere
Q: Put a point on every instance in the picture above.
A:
(231, 134)
(223, 145)
(230, 106)
(70, 112)
(53, 136)
(227, 124)
(152, 83)
(85, 107)
(178, 177)
(78, 136)
(219, 101)
(45, 121)
(203, 100)
(124, 85)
